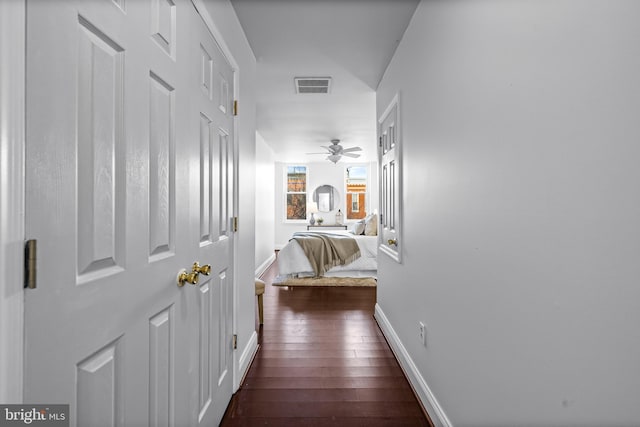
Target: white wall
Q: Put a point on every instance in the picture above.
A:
(522, 209)
(319, 173)
(265, 204)
(227, 23)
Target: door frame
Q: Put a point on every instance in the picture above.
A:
(12, 213)
(395, 255)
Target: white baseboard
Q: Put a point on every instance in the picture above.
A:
(247, 356)
(263, 267)
(428, 400)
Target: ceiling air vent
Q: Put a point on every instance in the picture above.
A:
(313, 84)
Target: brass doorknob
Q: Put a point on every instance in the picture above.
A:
(203, 269)
(184, 277)
(392, 242)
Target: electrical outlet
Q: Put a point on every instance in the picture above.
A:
(423, 333)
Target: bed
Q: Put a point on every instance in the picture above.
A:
(293, 262)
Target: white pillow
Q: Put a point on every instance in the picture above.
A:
(358, 228)
(371, 225)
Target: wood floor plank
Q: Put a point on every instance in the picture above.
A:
(313, 346)
(327, 395)
(328, 362)
(331, 421)
(321, 409)
(323, 382)
(322, 361)
(338, 371)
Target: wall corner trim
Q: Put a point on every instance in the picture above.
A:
(244, 361)
(263, 267)
(414, 376)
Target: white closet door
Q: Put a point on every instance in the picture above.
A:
(117, 180)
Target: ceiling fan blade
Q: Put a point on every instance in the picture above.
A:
(333, 149)
(351, 155)
(347, 150)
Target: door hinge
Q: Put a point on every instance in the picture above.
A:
(234, 224)
(30, 264)
(380, 142)
(235, 341)
(235, 107)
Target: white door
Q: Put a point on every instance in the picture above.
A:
(390, 179)
(114, 188)
(210, 112)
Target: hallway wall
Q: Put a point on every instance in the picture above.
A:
(265, 202)
(521, 229)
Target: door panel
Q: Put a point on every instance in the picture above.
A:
(204, 346)
(101, 216)
(223, 162)
(206, 176)
(161, 167)
(163, 25)
(99, 387)
(161, 367)
(125, 188)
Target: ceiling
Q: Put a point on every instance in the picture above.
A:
(351, 41)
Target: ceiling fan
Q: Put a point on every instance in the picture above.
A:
(335, 151)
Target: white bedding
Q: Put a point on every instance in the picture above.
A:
(292, 260)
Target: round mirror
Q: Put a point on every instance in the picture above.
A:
(327, 198)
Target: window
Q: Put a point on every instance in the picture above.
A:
(296, 193)
(356, 183)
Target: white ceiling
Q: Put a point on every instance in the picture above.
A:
(351, 41)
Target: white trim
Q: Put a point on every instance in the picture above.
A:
(217, 36)
(263, 267)
(247, 355)
(236, 213)
(428, 400)
(12, 193)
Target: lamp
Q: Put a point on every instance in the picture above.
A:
(334, 158)
(312, 208)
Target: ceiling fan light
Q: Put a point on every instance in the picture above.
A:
(334, 158)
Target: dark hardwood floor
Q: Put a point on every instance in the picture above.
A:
(322, 361)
